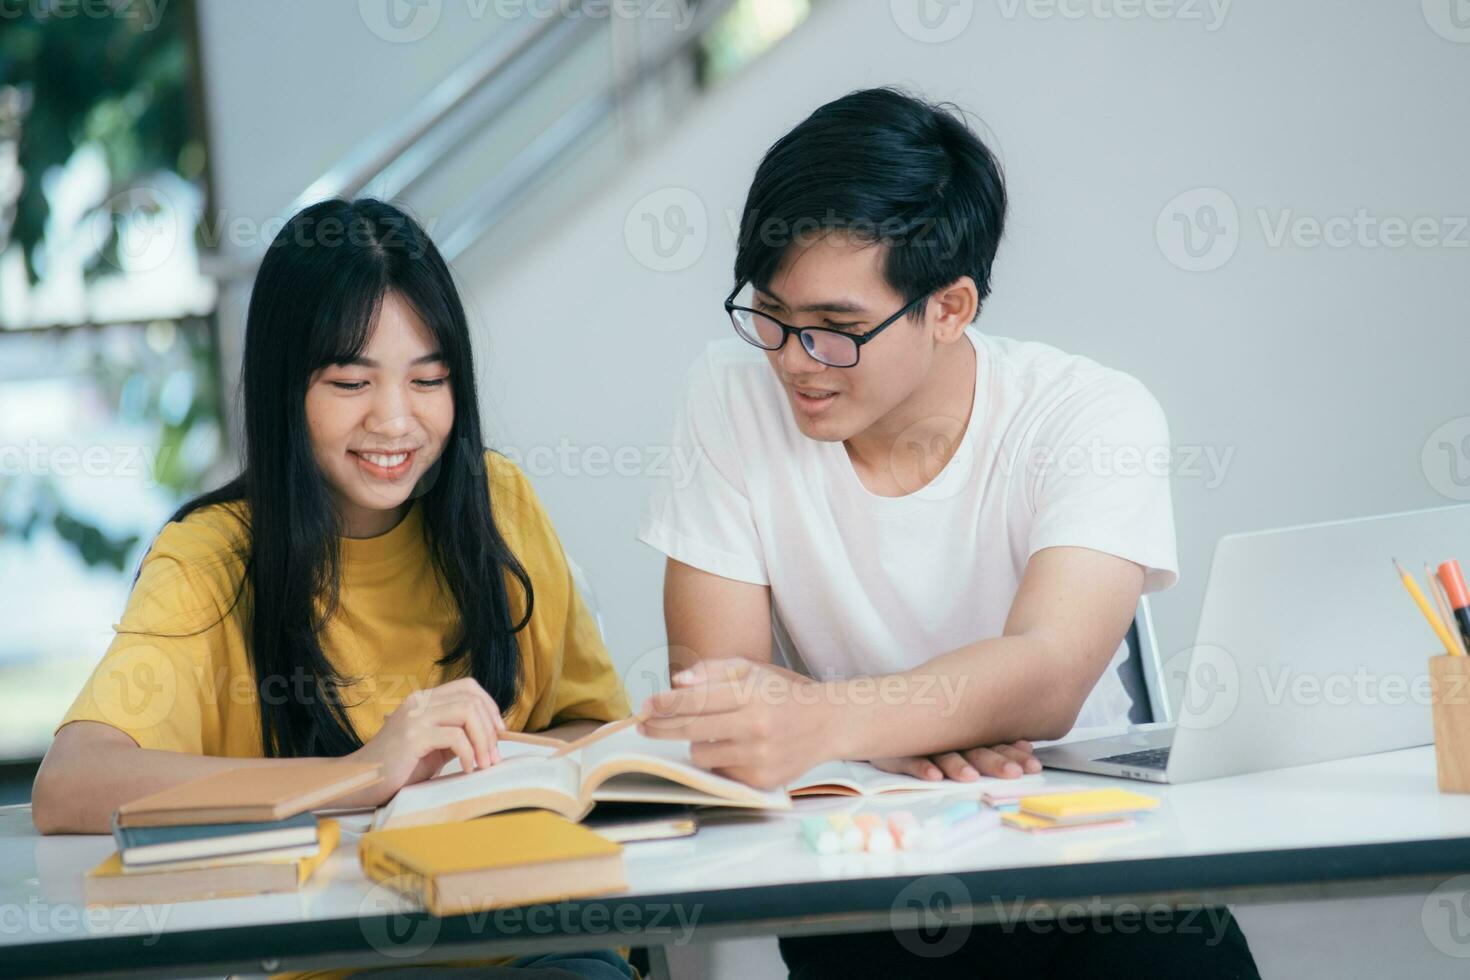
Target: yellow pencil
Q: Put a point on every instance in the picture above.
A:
(1417, 595)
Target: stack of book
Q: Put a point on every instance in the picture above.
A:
(1078, 810)
(241, 832)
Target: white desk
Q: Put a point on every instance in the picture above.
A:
(1373, 825)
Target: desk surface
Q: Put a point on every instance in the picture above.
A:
(1371, 825)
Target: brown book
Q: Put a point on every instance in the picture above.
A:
(249, 794)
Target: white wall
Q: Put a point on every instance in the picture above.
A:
(292, 86)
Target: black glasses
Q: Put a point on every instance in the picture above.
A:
(824, 344)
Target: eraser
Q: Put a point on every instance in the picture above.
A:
(819, 836)
(908, 835)
(959, 810)
(879, 840)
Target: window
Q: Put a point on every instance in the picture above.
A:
(109, 393)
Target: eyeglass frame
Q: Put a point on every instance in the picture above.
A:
(787, 329)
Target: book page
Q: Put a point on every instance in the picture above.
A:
(825, 777)
(631, 767)
(508, 751)
(868, 780)
(527, 770)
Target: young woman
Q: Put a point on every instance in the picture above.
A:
(373, 585)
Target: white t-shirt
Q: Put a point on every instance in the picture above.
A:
(1058, 450)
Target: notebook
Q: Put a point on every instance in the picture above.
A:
(151, 845)
(493, 862)
(275, 854)
(1092, 806)
(1040, 825)
(1011, 796)
(624, 767)
(251, 794)
(111, 884)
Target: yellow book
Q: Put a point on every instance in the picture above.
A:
(108, 884)
(510, 859)
(1090, 806)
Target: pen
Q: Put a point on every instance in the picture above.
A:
(1453, 581)
(1442, 603)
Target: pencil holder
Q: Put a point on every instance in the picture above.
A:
(1449, 686)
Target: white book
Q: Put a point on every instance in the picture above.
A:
(624, 767)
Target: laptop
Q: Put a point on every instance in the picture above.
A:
(1308, 649)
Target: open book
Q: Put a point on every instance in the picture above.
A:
(865, 779)
(624, 767)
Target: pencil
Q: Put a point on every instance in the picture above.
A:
(1417, 595)
(1442, 603)
(526, 738)
(597, 735)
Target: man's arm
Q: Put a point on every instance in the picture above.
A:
(714, 618)
(766, 725)
(1072, 610)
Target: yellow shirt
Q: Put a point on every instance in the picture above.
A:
(197, 693)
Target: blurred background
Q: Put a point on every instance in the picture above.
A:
(1259, 209)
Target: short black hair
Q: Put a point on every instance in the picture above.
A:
(886, 168)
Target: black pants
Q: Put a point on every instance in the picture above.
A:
(1200, 944)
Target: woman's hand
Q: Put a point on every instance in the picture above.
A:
(1005, 761)
(426, 730)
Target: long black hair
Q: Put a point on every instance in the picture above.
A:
(316, 299)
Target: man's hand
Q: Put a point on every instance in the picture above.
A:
(755, 722)
(1005, 761)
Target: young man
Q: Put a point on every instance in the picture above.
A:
(906, 541)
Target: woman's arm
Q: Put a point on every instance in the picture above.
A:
(93, 768)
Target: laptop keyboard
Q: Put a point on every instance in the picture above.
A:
(1143, 759)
